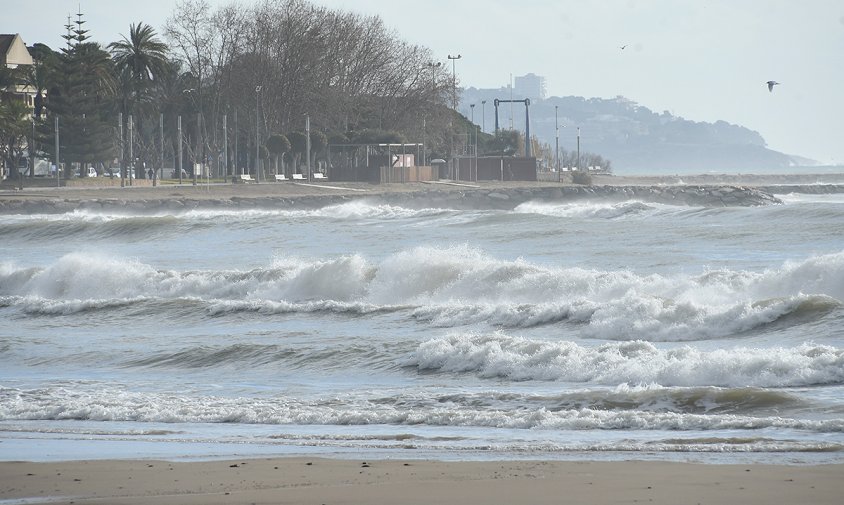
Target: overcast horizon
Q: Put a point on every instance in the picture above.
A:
(701, 60)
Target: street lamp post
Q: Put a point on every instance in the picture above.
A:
(189, 92)
(257, 135)
(58, 165)
(226, 150)
(455, 168)
(434, 67)
(454, 78)
(578, 149)
(472, 106)
(198, 147)
(557, 144)
(308, 145)
(483, 116)
(160, 148)
(131, 153)
(181, 141)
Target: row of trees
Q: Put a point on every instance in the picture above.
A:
(263, 67)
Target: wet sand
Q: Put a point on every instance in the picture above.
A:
(331, 482)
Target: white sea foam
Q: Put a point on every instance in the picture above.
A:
(123, 406)
(634, 362)
(595, 209)
(459, 286)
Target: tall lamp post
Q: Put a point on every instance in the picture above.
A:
(189, 92)
(454, 78)
(557, 144)
(58, 165)
(455, 168)
(257, 134)
(472, 107)
(308, 145)
(483, 116)
(578, 149)
(433, 66)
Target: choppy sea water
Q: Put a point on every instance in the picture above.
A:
(554, 330)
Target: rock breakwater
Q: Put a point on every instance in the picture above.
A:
(693, 196)
(459, 197)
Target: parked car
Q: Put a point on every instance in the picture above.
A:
(115, 172)
(89, 172)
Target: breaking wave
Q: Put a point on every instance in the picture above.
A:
(634, 362)
(123, 406)
(453, 287)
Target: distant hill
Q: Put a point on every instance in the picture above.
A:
(633, 137)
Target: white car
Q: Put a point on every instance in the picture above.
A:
(90, 172)
(115, 172)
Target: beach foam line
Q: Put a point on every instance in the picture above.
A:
(327, 187)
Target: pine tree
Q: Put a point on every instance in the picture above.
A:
(83, 100)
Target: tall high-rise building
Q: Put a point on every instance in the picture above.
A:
(530, 86)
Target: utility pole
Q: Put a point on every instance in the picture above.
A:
(225, 150)
(483, 116)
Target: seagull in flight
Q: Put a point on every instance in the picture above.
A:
(622, 47)
(771, 85)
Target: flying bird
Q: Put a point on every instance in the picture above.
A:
(622, 47)
(771, 85)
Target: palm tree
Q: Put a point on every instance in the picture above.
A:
(141, 59)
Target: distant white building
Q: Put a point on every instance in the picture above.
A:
(13, 53)
(530, 86)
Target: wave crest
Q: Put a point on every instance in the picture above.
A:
(634, 362)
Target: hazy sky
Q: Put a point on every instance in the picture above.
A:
(703, 60)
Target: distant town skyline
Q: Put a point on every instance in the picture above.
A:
(701, 60)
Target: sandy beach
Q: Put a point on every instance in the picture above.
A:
(330, 481)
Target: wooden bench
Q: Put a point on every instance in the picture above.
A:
(320, 176)
(246, 178)
(281, 177)
(298, 177)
